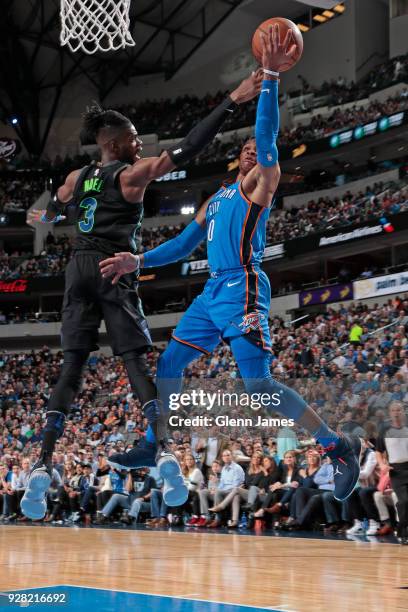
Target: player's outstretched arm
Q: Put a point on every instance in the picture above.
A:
(168, 252)
(146, 170)
(261, 183)
(56, 205)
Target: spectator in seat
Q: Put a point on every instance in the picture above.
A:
(194, 480)
(52, 495)
(246, 493)
(270, 474)
(281, 488)
(232, 475)
(307, 501)
(207, 494)
(12, 501)
(21, 483)
(159, 510)
(140, 498)
(122, 485)
(3, 489)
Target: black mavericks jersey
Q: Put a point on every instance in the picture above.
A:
(105, 221)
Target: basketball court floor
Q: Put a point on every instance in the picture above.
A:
(142, 570)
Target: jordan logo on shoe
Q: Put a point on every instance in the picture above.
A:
(338, 471)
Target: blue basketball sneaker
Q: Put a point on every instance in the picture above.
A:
(150, 454)
(33, 503)
(175, 492)
(142, 455)
(345, 457)
(145, 454)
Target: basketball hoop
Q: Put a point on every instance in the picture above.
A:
(95, 25)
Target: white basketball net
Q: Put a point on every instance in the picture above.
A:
(95, 25)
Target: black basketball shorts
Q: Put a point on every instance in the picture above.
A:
(89, 298)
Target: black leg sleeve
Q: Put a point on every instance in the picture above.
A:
(62, 396)
(140, 380)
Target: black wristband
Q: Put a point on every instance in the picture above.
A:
(201, 134)
(54, 207)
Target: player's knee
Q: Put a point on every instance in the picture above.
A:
(138, 360)
(170, 363)
(55, 422)
(76, 358)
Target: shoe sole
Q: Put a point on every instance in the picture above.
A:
(118, 466)
(357, 449)
(175, 492)
(33, 504)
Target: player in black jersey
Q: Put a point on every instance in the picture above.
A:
(108, 199)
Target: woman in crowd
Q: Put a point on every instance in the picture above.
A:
(194, 479)
(307, 502)
(282, 489)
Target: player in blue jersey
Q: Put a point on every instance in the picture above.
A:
(235, 302)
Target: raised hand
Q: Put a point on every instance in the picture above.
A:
(36, 216)
(274, 53)
(249, 88)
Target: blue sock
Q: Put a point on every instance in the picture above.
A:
(325, 436)
(150, 437)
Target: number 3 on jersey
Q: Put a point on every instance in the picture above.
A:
(210, 232)
(87, 223)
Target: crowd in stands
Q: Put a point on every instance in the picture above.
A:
(317, 127)
(329, 213)
(340, 91)
(317, 215)
(341, 119)
(18, 191)
(272, 477)
(183, 112)
(51, 262)
(321, 215)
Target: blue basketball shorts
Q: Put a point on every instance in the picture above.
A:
(234, 303)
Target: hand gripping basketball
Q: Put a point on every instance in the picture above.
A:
(274, 52)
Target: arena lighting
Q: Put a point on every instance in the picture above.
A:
(14, 121)
(328, 14)
(320, 18)
(302, 27)
(187, 210)
(339, 8)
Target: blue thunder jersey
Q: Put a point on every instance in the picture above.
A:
(236, 229)
(236, 297)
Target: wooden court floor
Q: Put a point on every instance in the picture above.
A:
(303, 575)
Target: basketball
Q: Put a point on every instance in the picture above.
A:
(284, 26)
